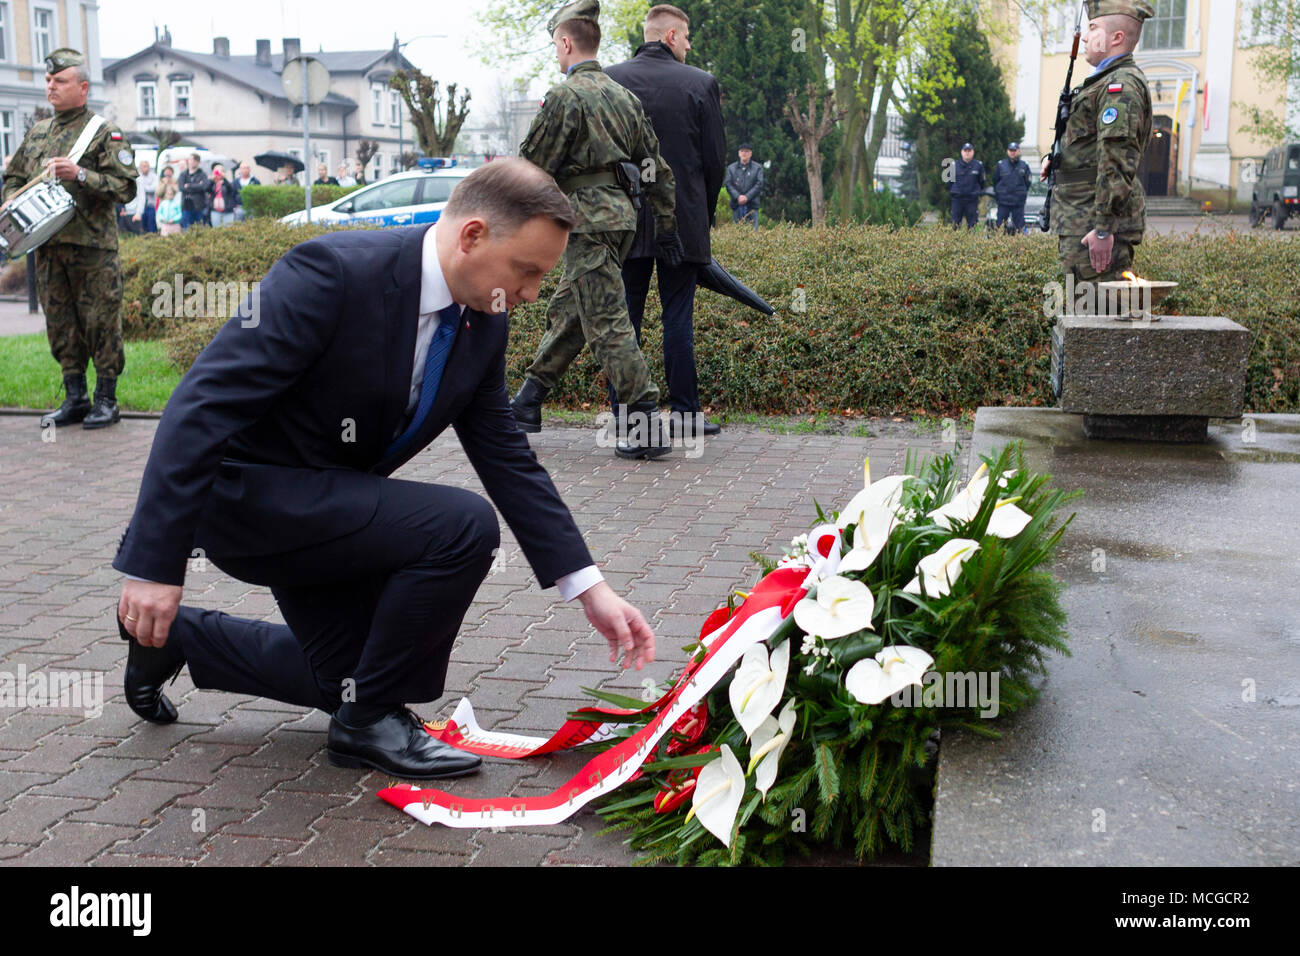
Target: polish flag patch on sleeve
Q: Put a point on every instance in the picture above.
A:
(115, 136)
(1115, 88)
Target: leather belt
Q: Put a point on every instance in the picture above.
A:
(1072, 177)
(588, 179)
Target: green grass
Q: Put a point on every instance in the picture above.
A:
(32, 379)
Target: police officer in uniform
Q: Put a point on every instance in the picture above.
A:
(586, 126)
(1098, 205)
(1011, 188)
(966, 184)
(78, 274)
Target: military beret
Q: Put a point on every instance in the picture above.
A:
(62, 58)
(1137, 9)
(578, 10)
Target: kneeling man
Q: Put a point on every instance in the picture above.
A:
(273, 457)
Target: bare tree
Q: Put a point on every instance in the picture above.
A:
(165, 137)
(811, 132)
(366, 150)
(436, 125)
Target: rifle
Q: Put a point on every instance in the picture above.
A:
(1062, 119)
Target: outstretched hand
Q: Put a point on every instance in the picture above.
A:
(621, 624)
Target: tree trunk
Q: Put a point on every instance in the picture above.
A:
(811, 132)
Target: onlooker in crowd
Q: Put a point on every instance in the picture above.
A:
(169, 209)
(1011, 187)
(193, 183)
(745, 186)
(345, 178)
(358, 173)
(147, 184)
(323, 178)
(683, 105)
(965, 183)
(245, 178)
(221, 197)
(285, 176)
(129, 215)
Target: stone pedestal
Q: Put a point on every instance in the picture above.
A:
(1159, 380)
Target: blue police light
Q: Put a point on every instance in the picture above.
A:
(435, 162)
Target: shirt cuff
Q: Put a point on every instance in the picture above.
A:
(571, 585)
(132, 577)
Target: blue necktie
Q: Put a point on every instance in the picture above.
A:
(434, 363)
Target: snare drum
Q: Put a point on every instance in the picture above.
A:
(34, 216)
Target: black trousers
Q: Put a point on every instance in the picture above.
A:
(965, 207)
(677, 297)
(371, 616)
(1012, 215)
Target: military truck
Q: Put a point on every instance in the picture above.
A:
(1277, 190)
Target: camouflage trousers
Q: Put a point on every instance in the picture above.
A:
(590, 308)
(80, 289)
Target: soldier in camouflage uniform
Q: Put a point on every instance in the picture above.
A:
(1098, 204)
(586, 126)
(78, 273)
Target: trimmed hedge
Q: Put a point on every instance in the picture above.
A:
(272, 202)
(919, 320)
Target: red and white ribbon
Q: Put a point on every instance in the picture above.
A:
(727, 639)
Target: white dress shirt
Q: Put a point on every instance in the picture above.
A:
(434, 297)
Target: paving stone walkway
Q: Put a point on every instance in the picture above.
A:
(245, 781)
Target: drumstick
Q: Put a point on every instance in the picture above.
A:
(44, 177)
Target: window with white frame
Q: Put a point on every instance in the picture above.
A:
(44, 30)
(181, 105)
(323, 158)
(394, 108)
(377, 169)
(147, 95)
(395, 164)
(4, 32)
(377, 103)
(1167, 30)
(6, 132)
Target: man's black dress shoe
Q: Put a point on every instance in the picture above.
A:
(399, 745)
(687, 422)
(147, 670)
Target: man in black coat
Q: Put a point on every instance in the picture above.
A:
(965, 183)
(1011, 187)
(684, 107)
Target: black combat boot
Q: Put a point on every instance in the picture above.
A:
(75, 405)
(641, 432)
(105, 412)
(527, 405)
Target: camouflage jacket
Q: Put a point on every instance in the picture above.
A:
(110, 175)
(586, 125)
(1097, 185)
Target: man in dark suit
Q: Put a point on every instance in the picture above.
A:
(684, 107)
(273, 454)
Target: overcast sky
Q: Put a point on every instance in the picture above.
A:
(127, 26)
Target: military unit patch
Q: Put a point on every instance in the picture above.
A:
(124, 157)
(1109, 116)
(115, 136)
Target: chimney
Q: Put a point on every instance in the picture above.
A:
(263, 52)
(221, 46)
(292, 48)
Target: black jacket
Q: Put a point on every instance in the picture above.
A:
(194, 189)
(967, 178)
(1011, 181)
(684, 107)
(248, 453)
(745, 181)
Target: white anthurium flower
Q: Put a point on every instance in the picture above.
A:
(842, 606)
(884, 494)
(759, 682)
(942, 568)
(872, 681)
(1007, 520)
(718, 792)
(869, 538)
(767, 745)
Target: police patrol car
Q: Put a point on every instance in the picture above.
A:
(403, 199)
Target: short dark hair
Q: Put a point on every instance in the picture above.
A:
(509, 192)
(585, 34)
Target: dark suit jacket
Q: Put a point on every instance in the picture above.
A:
(684, 107)
(271, 440)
